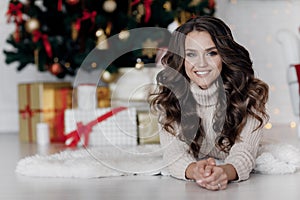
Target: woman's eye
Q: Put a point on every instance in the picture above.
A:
(212, 53)
(190, 54)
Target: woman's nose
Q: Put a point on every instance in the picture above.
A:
(202, 61)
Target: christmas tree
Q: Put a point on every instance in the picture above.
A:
(57, 35)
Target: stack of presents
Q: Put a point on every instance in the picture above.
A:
(82, 115)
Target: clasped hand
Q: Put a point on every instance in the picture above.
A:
(210, 176)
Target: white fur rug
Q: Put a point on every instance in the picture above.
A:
(138, 160)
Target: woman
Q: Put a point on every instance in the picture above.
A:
(211, 106)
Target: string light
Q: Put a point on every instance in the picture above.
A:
(268, 125)
(293, 124)
(94, 65)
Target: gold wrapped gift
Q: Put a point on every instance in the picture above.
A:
(147, 128)
(43, 102)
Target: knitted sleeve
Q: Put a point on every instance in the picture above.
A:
(176, 156)
(244, 152)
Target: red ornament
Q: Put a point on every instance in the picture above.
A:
(211, 3)
(55, 69)
(72, 2)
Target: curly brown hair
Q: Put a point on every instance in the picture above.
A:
(241, 95)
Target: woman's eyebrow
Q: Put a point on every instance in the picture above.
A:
(208, 49)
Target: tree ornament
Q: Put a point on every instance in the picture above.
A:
(56, 68)
(139, 64)
(124, 35)
(32, 24)
(194, 3)
(140, 12)
(101, 39)
(109, 6)
(108, 77)
(108, 28)
(167, 6)
(184, 16)
(149, 48)
(72, 2)
(74, 31)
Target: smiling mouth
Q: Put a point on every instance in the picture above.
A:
(202, 72)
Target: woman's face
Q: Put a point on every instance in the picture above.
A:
(203, 64)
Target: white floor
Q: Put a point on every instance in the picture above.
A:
(13, 186)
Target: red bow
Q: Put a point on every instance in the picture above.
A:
(27, 112)
(16, 11)
(73, 137)
(85, 15)
(37, 35)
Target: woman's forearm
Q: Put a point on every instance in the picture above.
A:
(230, 172)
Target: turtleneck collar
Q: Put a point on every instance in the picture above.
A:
(207, 97)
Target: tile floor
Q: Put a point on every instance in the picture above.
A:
(15, 187)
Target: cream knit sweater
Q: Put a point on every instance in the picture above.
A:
(242, 154)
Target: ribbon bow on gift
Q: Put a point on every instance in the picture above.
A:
(82, 130)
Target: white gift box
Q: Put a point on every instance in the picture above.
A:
(118, 129)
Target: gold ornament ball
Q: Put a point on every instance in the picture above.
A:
(32, 25)
(124, 35)
(109, 6)
(108, 77)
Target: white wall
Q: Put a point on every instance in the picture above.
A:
(254, 24)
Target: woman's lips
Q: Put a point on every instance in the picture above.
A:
(202, 73)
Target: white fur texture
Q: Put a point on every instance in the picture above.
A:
(139, 160)
(95, 162)
(278, 159)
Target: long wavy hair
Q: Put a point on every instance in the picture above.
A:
(241, 95)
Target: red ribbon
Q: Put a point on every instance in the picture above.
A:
(147, 5)
(28, 112)
(85, 130)
(37, 35)
(16, 11)
(59, 5)
(59, 117)
(85, 16)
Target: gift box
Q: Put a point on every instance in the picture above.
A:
(147, 128)
(102, 126)
(103, 97)
(43, 102)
